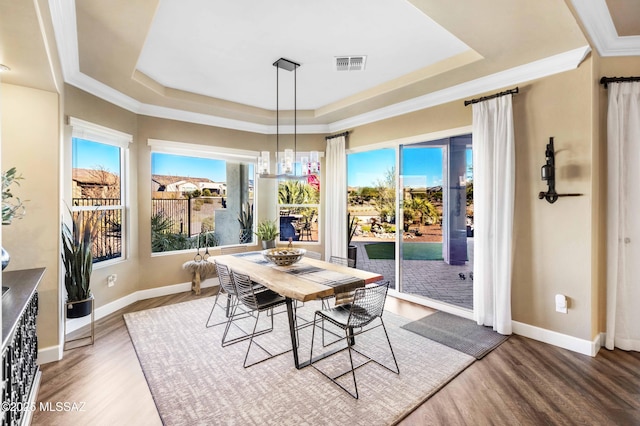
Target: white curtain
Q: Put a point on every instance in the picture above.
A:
(336, 198)
(493, 199)
(623, 216)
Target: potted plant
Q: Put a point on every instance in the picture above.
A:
(352, 251)
(12, 207)
(267, 231)
(246, 224)
(77, 256)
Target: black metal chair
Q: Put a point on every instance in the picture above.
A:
(227, 288)
(368, 304)
(256, 302)
(232, 310)
(342, 261)
(344, 297)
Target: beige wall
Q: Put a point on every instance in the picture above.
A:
(553, 242)
(30, 142)
(451, 115)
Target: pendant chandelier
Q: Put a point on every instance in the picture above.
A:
(286, 163)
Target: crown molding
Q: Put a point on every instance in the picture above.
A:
(64, 23)
(531, 71)
(596, 18)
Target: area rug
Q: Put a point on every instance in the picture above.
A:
(410, 251)
(194, 380)
(458, 333)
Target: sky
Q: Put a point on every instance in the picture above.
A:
(92, 155)
(98, 156)
(177, 165)
(422, 166)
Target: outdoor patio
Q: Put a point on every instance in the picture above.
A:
(434, 279)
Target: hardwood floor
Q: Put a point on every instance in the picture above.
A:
(522, 382)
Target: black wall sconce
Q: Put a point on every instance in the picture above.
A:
(548, 173)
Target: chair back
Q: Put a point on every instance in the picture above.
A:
(226, 280)
(342, 261)
(244, 290)
(368, 304)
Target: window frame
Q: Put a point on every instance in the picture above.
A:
(88, 131)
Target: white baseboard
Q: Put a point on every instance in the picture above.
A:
(433, 304)
(49, 354)
(54, 353)
(564, 341)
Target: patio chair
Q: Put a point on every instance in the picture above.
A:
(367, 306)
(256, 302)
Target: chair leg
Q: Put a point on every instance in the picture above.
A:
(390, 348)
(313, 332)
(215, 303)
(237, 305)
(228, 326)
(349, 336)
(246, 356)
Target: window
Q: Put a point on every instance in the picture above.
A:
(299, 208)
(98, 165)
(201, 196)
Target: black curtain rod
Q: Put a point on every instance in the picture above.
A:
(607, 80)
(495, 95)
(338, 135)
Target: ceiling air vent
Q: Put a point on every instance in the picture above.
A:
(350, 63)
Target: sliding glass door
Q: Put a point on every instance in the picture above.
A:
(415, 227)
(436, 199)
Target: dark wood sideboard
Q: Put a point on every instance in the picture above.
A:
(20, 371)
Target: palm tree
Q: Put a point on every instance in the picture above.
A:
(422, 206)
(296, 192)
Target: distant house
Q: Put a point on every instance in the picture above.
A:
(183, 185)
(94, 183)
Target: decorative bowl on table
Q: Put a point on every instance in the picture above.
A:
(283, 256)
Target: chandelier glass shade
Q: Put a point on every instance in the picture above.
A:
(286, 160)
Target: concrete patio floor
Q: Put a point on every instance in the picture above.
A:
(433, 279)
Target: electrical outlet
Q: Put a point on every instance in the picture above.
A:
(111, 280)
(561, 303)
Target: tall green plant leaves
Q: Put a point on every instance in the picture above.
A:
(77, 256)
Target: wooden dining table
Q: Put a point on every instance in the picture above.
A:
(308, 279)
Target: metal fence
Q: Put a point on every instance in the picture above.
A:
(185, 216)
(176, 211)
(108, 242)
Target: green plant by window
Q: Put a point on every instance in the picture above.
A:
(77, 256)
(267, 230)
